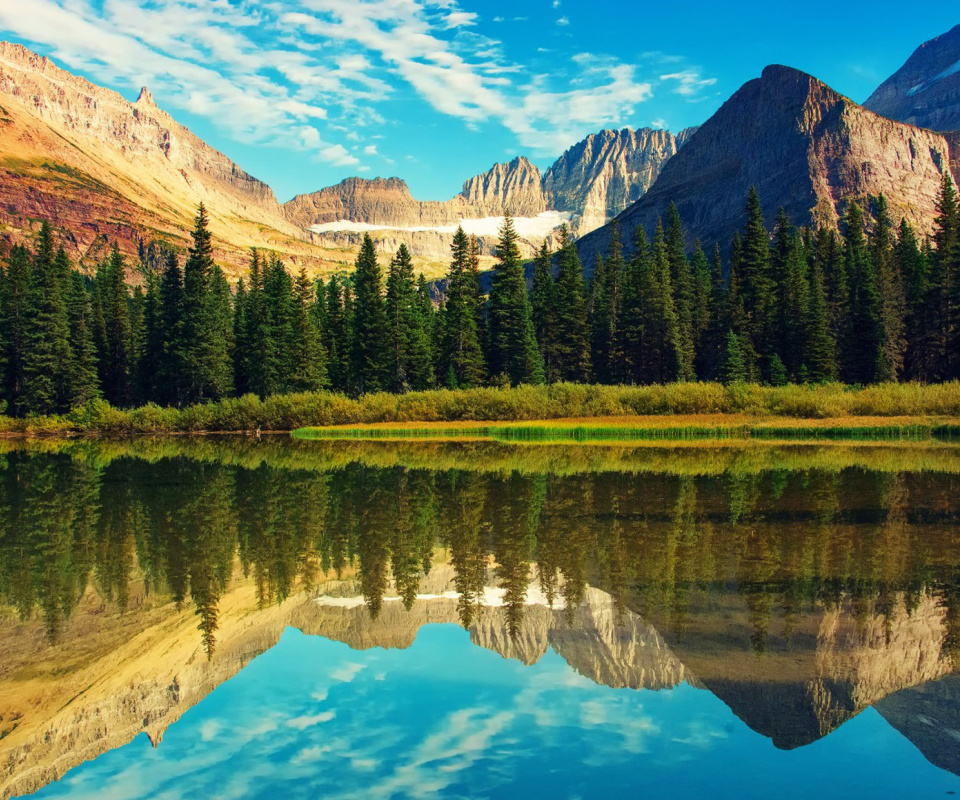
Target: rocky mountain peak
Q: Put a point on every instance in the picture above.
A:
(145, 97)
(925, 91)
(806, 148)
(514, 187)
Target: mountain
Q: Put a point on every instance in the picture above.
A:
(589, 184)
(925, 91)
(104, 169)
(806, 148)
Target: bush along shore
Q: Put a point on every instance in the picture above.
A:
(830, 411)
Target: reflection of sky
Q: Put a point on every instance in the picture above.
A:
(312, 718)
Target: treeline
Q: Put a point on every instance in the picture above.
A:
(868, 304)
(666, 546)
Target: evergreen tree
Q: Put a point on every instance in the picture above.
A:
(572, 343)
(681, 280)
(820, 357)
(13, 320)
(543, 308)
(84, 384)
(241, 345)
(913, 265)
(513, 345)
(626, 361)
(863, 337)
(605, 290)
(733, 367)
(891, 301)
(148, 366)
(113, 356)
(943, 303)
(309, 368)
(410, 363)
(46, 341)
(275, 336)
(702, 284)
(171, 370)
(660, 352)
(369, 337)
(336, 336)
(220, 319)
(794, 301)
(137, 346)
(756, 285)
(461, 362)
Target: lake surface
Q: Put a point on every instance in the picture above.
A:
(228, 618)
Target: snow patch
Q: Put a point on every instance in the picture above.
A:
(920, 87)
(527, 227)
(492, 597)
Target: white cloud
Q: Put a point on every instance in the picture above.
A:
(660, 123)
(338, 155)
(370, 150)
(563, 21)
(689, 82)
(309, 720)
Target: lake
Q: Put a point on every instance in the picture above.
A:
(222, 617)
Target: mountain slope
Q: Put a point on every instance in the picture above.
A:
(925, 91)
(103, 168)
(806, 148)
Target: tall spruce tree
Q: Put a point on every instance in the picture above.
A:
(513, 345)
(336, 336)
(757, 287)
(913, 265)
(700, 309)
(369, 337)
(942, 326)
(410, 363)
(660, 357)
(171, 367)
(625, 361)
(308, 363)
(571, 334)
(891, 301)
(220, 316)
(84, 384)
(113, 356)
(13, 320)
(605, 290)
(543, 308)
(820, 357)
(681, 280)
(461, 357)
(863, 335)
(46, 339)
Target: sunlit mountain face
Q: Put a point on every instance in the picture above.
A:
(399, 619)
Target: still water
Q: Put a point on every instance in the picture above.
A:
(227, 618)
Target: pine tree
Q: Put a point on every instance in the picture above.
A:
(733, 367)
(625, 361)
(543, 308)
(309, 367)
(820, 358)
(410, 364)
(84, 384)
(605, 290)
(891, 301)
(660, 356)
(943, 297)
(171, 370)
(113, 356)
(220, 320)
(513, 345)
(461, 360)
(13, 321)
(206, 363)
(572, 344)
(137, 345)
(756, 285)
(46, 342)
(276, 334)
(700, 308)
(913, 265)
(369, 339)
(681, 280)
(863, 337)
(831, 261)
(151, 357)
(336, 336)
(794, 301)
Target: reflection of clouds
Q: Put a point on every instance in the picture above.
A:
(347, 672)
(308, 720)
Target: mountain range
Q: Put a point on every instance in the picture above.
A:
(103, 169)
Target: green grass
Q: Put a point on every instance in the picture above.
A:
(935, 407)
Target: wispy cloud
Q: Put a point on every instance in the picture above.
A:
(310, 74)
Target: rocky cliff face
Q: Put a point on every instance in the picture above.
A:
(593, 181)
(925, 91)
(105, 169)
(599, 177)
(806, 148)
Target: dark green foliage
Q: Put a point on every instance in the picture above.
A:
(733, 368)
(862, 341)
(309, 363)
(605, 300)
(46, 355)
(368, 335)
(167, 341)
(543, 308)
(571, 348)
(113, 311)
(84, 385)
(335, 334)
(409, 340)
(891, 301)
(681, 281)
(461, 355)
(514, 353)
(13, 321)
(756, 284)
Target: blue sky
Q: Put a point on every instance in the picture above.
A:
(312, 718)
(302, 93)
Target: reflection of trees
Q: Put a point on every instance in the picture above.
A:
(663, 543)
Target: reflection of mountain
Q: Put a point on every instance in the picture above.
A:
(929, 716)
(834, 663)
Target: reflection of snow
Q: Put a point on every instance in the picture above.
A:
(492, 597)
(538, 226)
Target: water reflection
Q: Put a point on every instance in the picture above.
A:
(799, 586)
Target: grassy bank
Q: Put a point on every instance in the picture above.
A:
(935, 409)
